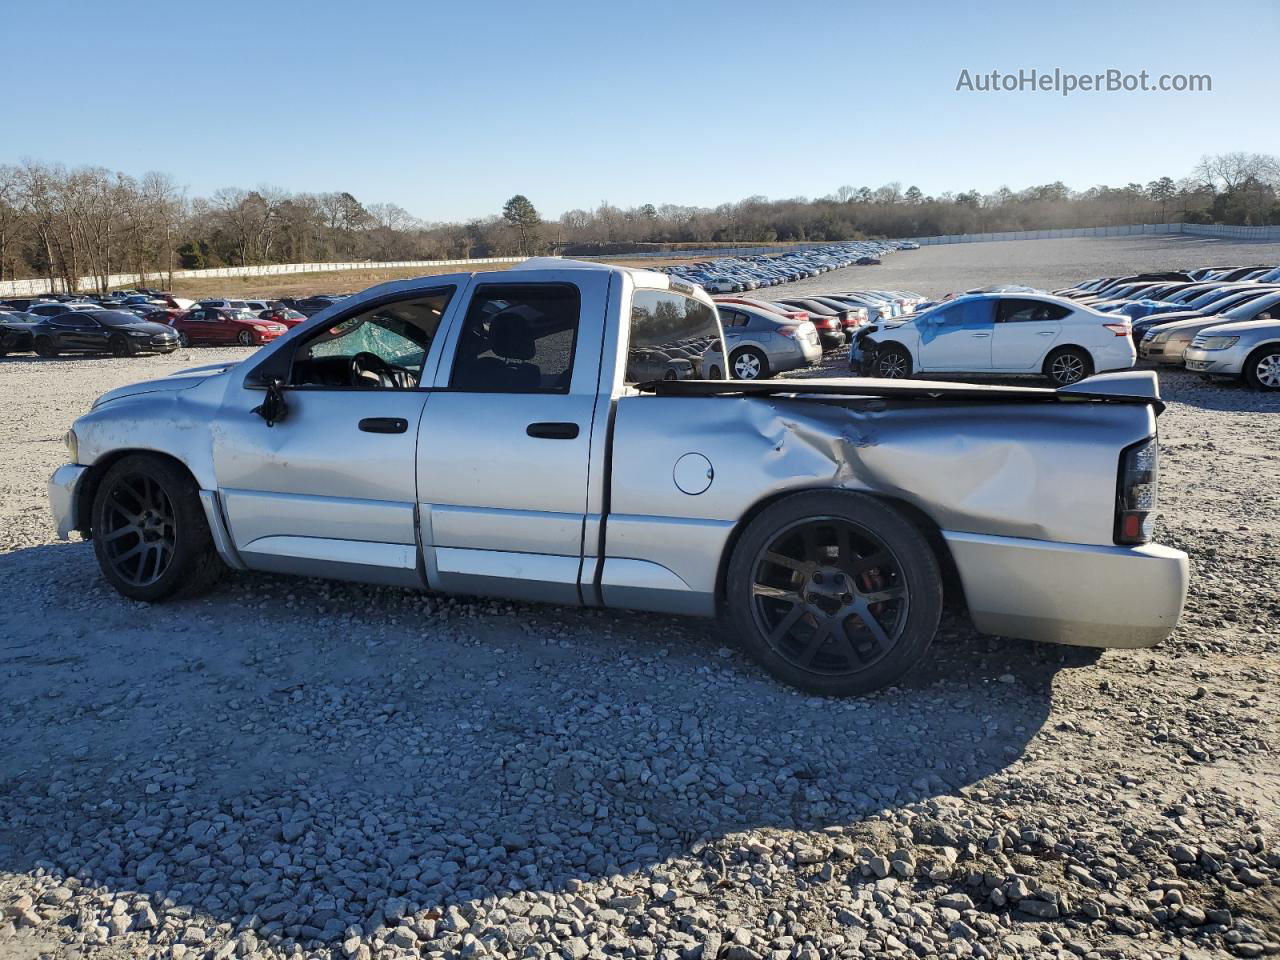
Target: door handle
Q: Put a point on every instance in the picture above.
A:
(384, 425)
(552, 431)
(1046, 333)
(981, 334)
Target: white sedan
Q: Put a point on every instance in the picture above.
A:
(997, 334)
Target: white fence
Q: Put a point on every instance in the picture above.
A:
(1220, 231)
(26, 288)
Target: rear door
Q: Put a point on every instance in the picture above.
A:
(957, 337)
(1025, 331)
(504, 447)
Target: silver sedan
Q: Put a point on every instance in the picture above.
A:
(1249, 349)
(761, 343)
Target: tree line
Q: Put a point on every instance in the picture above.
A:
(64, 224)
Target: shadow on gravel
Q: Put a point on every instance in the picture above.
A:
(295, 754)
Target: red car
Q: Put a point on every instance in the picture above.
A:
(290, 318)
(221, 325)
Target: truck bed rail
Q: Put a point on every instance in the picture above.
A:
(1132, 387)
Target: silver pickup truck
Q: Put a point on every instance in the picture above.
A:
(486, 434)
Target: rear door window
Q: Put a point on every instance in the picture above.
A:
(518, 338)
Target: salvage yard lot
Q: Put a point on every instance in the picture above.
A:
(300, 758)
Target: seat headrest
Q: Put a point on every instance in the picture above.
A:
(511, 337)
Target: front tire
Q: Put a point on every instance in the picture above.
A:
(1262, 369)
(121, 347)
(1068, 365)
(150, 533)
(245, 338)
(749, 364)
(835, 593)
(183, 339)
(893, 363)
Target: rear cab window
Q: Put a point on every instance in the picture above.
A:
(666, 323)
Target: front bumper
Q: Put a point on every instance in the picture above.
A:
(64, 489)
(1229, 362)
(1079, 594)
(1167, 351)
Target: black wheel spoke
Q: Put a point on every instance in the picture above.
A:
(813, 591)
(787, 623)
(823, 632)
(139, 543)
(776, 593)
(886, 595)
(782, 560)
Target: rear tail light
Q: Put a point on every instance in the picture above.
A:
(787, 331)
(1136, 492)
(1119, 329)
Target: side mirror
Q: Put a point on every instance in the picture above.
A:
(273, 409)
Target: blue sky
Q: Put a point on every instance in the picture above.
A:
(449, 109)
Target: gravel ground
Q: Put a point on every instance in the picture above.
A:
(291, 767)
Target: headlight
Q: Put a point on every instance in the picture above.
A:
(1161, 337)
(1218, 343)
(138, 333)
(73, 445)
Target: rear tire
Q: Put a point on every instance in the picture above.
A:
(1262, 369)
(150, 533)
(46, 347)
(749, 364)
(835, 593)
(1068, 365)
(183, 339)
(715, 373)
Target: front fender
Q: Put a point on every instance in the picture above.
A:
(171, 422)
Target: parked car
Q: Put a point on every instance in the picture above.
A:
(997, 334)
(1167, 342)
(282, 314)
(56, 308)
(220, 304)
(818, 522)
(117, 332)
(794, 314)
(1247, 349)
(828, 321)
(16, 332)
(214, 325)
(761, 343)
(310, 306)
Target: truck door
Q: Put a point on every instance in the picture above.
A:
(504, 446)
(330, 488)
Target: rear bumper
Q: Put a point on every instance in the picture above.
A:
(1080, 594)
(64, 488)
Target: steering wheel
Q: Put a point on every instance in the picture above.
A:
(390, 375)
(366, 362)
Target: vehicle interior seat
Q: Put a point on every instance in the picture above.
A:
(511, 346)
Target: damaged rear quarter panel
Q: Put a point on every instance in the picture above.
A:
(1044, 471)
